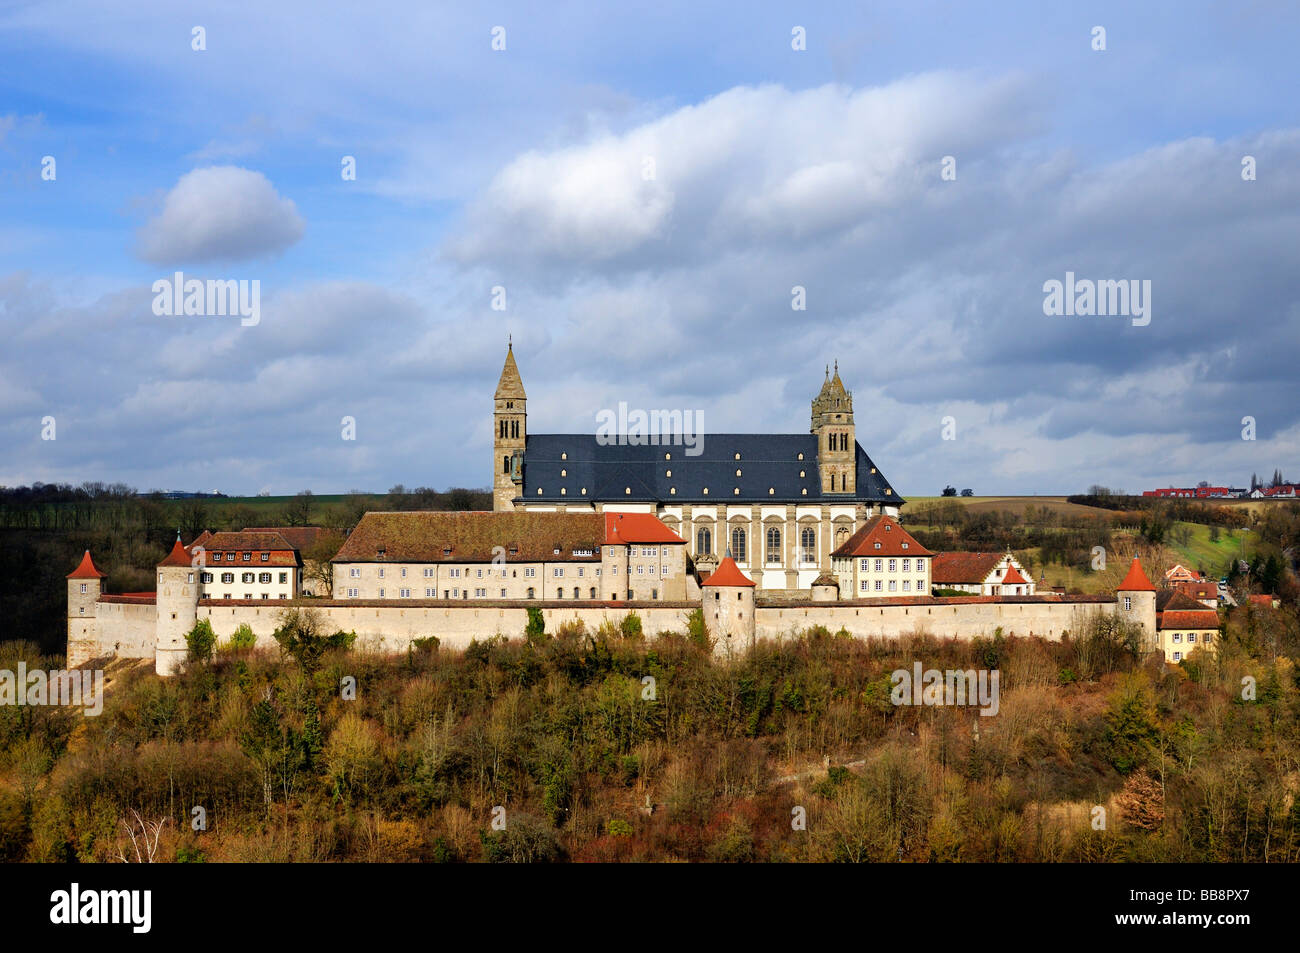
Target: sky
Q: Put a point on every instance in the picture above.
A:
(632, 195)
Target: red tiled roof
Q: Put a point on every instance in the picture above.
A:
(280, 551)
(623, 528)
(177, 557)
(86, 569)
(426, 536)
(965, 568)
(1013, 578)
(299, 537)
(728, 574)
(1262, 600)
(1188, 619)
(131, 598)
(1136, 580)
(886, 531)
(1198, 590)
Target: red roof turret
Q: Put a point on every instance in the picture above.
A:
(1013, 578)
(86, 569)
(728, 574)
(1136, 580)
(179, 556)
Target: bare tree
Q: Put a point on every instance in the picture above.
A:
(144, 838)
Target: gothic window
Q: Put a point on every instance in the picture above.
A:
(514, 428)
(703, 542)
(505, 464)
(841, 534)
(501, 428)
(738, 544)
(808, 543)
(774, 545)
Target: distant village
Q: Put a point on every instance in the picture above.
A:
(1275, 489)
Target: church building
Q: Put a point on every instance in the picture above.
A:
(780, 504)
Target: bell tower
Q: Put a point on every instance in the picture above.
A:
(509, 431)
(837, 448)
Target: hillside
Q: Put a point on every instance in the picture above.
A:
(564, 742)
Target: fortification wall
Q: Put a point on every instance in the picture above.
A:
(120, 629)
(390, 628)
(1047, 619)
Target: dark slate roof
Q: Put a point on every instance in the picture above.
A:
(766, 461)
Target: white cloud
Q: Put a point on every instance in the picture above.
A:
(220, 213)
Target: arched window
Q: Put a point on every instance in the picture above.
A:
(514, 428)
(738, 545)
(501, 428)
(593, 592)
(505, 464)
(703, 542)
(575, 593)
(559, 593)
(841, 535)
(774, 545)
(808, 545)
(531, 594)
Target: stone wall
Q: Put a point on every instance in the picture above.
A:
(390, 628)
(964, 620)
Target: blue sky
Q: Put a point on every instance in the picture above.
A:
(524, 168)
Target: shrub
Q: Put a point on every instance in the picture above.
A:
(199, 642)
(243, 639)
(301, 635)
(696, 629)
(630, 627)
(425, 646)
(535, 630)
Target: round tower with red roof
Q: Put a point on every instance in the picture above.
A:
(728, 596)
(85, 584)
(1136, 599)
(178, 608)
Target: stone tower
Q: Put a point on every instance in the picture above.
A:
(85, 583)
(728, 601)
(832, 422)
(509, 431)
(177, 604)
(1137, 602)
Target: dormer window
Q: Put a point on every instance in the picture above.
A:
(737, 456)
(668, 473)
(564, 491)
(706, 491)
(584, 491)
(446, 550)
(737, 473)
(801, 456)
(877, 545)
(735, 491)
(564, 456)
(771, 491)
(564, 473)
(627, 491)
(905, 545)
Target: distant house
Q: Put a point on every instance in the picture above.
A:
(1183, 625)
(1203, 591)
(1180, 573)
(981, 574)
(1265, 601)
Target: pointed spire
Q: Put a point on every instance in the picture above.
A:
(1136, 580)
(178, 556)
(86, 569)
(728, 574)
(511, 385)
